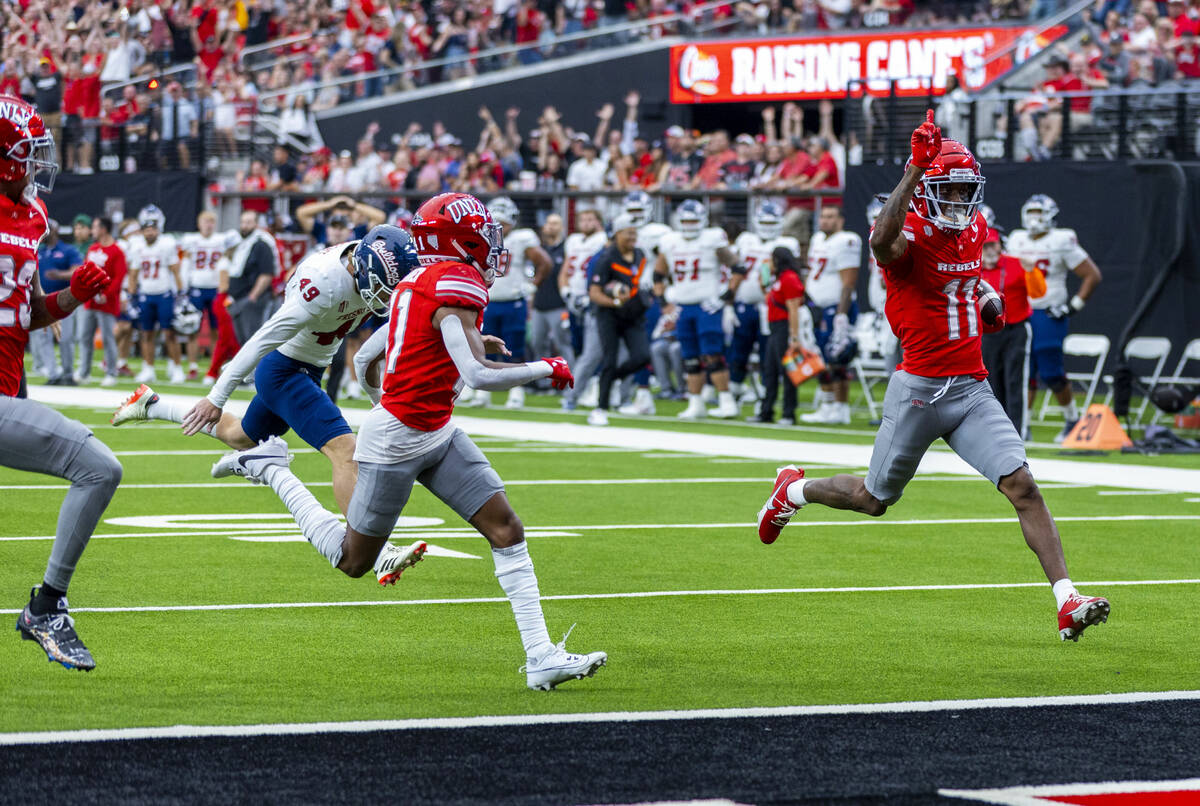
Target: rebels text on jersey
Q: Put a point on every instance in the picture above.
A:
(577, 251)
(692, 264)
(420, 379)
(931, 304)
(1057, 254)
(204, 257)
(514, 284)
(753, 253)
(828, 256)
(22, 226)
(153, 262)
(329, 297)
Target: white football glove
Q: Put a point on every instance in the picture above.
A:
(729, 320)
(839, 340)
(712, 305)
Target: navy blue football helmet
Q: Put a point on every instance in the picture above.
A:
(381, 260)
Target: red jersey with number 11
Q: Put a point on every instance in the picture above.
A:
(21, 228)
(931, 299)
(419, 376)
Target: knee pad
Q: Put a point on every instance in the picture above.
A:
(839, 373)
(1056, 384)
(692, 366)
(713, 363)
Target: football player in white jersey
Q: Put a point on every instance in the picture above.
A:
(889, 345)
(154, 281)
(329, 294)
(834, 256)
(753, 249)
(507, 314)
(203, 258)
(586, 241)
(1055, 252)
(640, 207)
(689, 274)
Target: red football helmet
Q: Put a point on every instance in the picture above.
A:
(457, 226)
(25, 145)
(951, 191)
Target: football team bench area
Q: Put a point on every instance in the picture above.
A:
(908, 659)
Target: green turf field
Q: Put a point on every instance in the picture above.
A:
(603, 521)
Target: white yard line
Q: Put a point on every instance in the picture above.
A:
(521, 720)
(619, 595)
(783, 450)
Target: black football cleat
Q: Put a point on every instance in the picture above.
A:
(55, 633)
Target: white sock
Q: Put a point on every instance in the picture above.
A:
(795, 493)
(514, 571)
(695, 401)
(1071, 412)
(726, 398)
(1062, 591)
(318, 526)
(173, 413)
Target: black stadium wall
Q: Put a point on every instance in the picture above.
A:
(177, 193)
(1135, 219)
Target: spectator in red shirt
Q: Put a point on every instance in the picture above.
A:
(256, 180)
(530, 22)
(718, 153)
(1180, 20)
(1187, 56)
(785, 295)
(101, 312)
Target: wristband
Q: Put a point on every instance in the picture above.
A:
(52, 306)
(1077, 303)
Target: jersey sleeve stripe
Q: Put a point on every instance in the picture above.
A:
(450, 288)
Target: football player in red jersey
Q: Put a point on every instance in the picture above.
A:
(928, 240)
(33, 437)
(429, 349)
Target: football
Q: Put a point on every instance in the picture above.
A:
(991, 306)
(617, 290)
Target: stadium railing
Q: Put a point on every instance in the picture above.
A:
(729, 208)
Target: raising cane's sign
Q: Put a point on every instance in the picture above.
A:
(826, 67)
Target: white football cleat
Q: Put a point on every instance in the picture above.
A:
(207, 380)
(709, 393)
(597, 417)
(728, 407)
(516, 398)
(829, 414)
(134, 407)
(479, 399)
(250, 463)
(108, 380)
(146, 375)
(590, 398)
(641, 405)
(695, 410)
(559, 666)
(175, 374)
(393, 559)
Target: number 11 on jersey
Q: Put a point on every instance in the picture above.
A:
(400, 319)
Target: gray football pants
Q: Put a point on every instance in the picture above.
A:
(89, 320)
(40, 440)
(590, 359)
(547, 336)
(917, 411)
(41, 342)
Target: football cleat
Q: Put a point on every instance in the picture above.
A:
(55, 633)
(393, 559)
(146, 375)
(134, 407)
(597, 417)
(695, 411)
(208, 380)
(559, 666)
(590, 398)
(175, 373)
(108, 381)
(193, 375)
(779, 509)
(516, 398)
(829, 414)
(727, 407)
(1080, 612)
(252, 462)
(642, 404)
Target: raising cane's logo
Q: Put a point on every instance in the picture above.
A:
(699, 71)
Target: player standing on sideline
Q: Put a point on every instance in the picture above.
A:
(889, 345)
(690, 260)
(1055, 252)
(507, 316)
(330, 293)
(754, 250)
(579, 248)
(33, 437)
(1006, 352)
(834, 256)
(431, 346)
(154, 282)
(931, 256)
(204, 251)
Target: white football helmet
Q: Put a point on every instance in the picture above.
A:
(768, 221)
(1038, 214)
(691, 218)
(504, 211)
(151, 216)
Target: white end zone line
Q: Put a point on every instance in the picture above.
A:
(1041, 795)
(522, 720)
(624, 595)
(783, 450)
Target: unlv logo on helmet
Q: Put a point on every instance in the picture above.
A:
(26, 149)
(465, 206)
(18, 112)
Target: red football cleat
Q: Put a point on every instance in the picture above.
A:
(124, 371)
(193, 375)
(778, 510)
(1080, 612)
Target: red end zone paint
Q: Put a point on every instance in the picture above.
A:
(1179, 797)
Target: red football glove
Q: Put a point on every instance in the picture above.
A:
(560, 373)
(926, 142)
(88, 280)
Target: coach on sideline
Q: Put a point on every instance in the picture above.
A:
(251, 271)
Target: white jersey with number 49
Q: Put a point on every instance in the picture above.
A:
(153, 262)
(1057, 254)
(329, 298)
(577, 251)
(516, 281)
(696, 273)
(828, 256)
(753, 252)
(203, 257)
